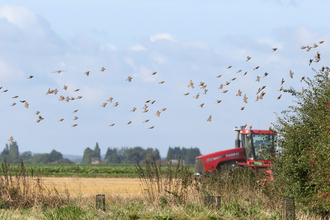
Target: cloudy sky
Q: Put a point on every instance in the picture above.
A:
(181, 40)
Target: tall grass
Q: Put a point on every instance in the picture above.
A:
(244, 194)
(22, 188)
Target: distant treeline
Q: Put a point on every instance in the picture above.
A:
(124, 155)
(11, 154)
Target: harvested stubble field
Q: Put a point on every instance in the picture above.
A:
(92, 186)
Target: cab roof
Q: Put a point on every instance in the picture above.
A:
(253, 131)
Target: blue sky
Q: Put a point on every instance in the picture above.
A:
(181, 40)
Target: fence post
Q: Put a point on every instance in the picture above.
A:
(212, 201)
(100, 202)
(289, 208)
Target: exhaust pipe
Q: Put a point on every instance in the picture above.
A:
(237, 140)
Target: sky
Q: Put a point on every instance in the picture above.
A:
(180, 40)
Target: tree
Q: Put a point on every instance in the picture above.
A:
(301, 165)
(87, 158)
(191, 155)
(55, 156)
(96, 153)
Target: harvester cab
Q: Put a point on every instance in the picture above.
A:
(253, 151)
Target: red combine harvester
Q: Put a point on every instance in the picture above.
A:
(252, 153)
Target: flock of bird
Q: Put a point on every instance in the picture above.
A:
(202, 85)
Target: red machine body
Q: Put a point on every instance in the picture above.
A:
(253, 152)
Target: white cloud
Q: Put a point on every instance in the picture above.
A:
(196, 44)
(163, 36)
(137, 47)
(109, 47)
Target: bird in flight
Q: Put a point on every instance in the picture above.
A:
(266, 74)
(154, 73)
(186, 93)
(129, 79)
(75, 118)
(315, 46)
(151, 127)
(191, 84)
(239, 93)
(158, 113)
(227, 83)
(30, 77)
(218, 101)
(112, 125)
(232, 79)
(239, 71)
(291, 74)
(11, 139)
(104, 104)
(76, 90)
(303, 47)
(37, 113)
(201, 105)
(205, 91)
(75, 111)
(274, 49)
(310, 61)
(110, 99)
(245, 73)
(152, 102)
(279, 96)
(15, 97)
(302, 78)
(219, 76)
(280, 89)
(248, 58)
(242, 108)
(74, 125)
(79, 97)
(255, 68)
(282, 81)
(196, 96)
(161, 82)
(146, 121)
(229, 67)
(5, 90)
(163, 109)
(210, 118)
(26, 105)
(129, 122)
(102, 69)
(13, 104)
(224, 91)
(116, 104)
(245, 98)
(321, 42)
(133, 110)
(65, 87)
(87, 73)
(60, 119)
(59, 71)
(258, 78)
(221, 86)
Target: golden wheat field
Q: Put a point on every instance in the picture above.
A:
(92, 186)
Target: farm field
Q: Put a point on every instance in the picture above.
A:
(91, 186)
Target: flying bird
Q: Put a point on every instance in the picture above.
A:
(111, 125)
(75, 111)
(227, 83)
(146, 121)
(239, 93)
(219, 76)
(201, 83)
(274, 49)
(280, 89)
(266, 74)
(67, 99)
(242, 108)
(186, 93)
(291, 74)
(41, 118)
(282, 81)
(129, 79)
(75, 118)
(232, 79)
(303, 47)
(65, 87)
(161, 82)
(76, 90)
(22, 101)
(79, 97)
(60, 119)
(11, 139)
(110, 99)
(210, 118)
(308, 48)
(302, 90)
(279, 96)
(315, 46)
(102, 69)
(5, 90)
(163, 109)
(191, 84)
(37, 113)
(154, 73)
(74, 125)
(248, 58)
(72, 98)
(196, 96)
(310, 61)
(26, 105)
(30, 77)
(203, 86)
(87, 73)
(224, 91)
(58, 71)
(15, 97)
(151, 127)
(245, 98)
(205, 91)
(255, 68)
(133, 110)
(220, 87)
(218, 101)
(239, 71)
(258, 78)
(129, 122)
(158, 113)
(116, 104)
(148, 101)
(229, 67)
(322, 69)
(13, 104)
(245, 73)
(201, 105)
(103, 105)
(302, 78)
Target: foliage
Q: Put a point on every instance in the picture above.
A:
(187, 154)
(302, 163)
(10, 153)
(92, 155)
